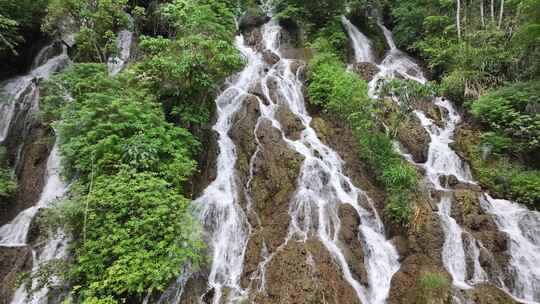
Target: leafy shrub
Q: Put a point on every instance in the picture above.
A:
(8, 184)
(108, 125)
(137, 232)
(513, 110)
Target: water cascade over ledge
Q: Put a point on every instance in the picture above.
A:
(322, 187)
(518, 222)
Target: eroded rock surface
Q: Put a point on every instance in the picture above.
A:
(13, 260)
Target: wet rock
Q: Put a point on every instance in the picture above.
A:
(448, 181)
(292, 125)
(401, 244)
(251, 21)
(351, 245)
(32, 148)
(253, 37)
(270, 57)
(366, 70)
(13, 260)
(408, 284)
(432, 111)
(303, 273)
(299, 68)
(414, 138)
(275, 170)
(488, 294)
(304, 54)
(339, 137)
(467, 212)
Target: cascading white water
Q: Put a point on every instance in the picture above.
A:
(442, 161)
(23, 92)
(361, 44)
(519, 223)
(322, 187)
(222, 216)
(123, 43)
(23, 89)
(522, 227)
(15, 233)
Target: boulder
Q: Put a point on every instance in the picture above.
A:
(270, 57)
(366, 70)
(291, 124)
(250, 21)
(414, 138)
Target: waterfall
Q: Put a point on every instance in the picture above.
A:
(519, 223)
(15, 233)
(522, 227)
(124, 42)
(21, 102)
(222, 216)
(22, 91)
(363, 51)
(322, 187)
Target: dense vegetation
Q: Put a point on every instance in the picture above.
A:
(8, 185)
(131, 141)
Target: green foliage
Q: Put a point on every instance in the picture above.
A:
(513, 111)
(138, 234)
(504, 176)
(432, 281)
(110, 124)
(312, 15)
(17, 19)
(344, 94)
(186, 70)
(97, 22)
(8, 184)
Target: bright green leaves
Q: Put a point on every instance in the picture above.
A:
(8, 184)
(109, 125)
(97, 21)
(139, 233)
(513, 111)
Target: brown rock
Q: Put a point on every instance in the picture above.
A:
(270, 57)
(292, 125)
(303, 273)
(13, 261)
(350, 242)
(414, 138)
(304, 54)
(488, 294)
(366, 70)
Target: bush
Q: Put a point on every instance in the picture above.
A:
(137, 232)
(110, 124)
(8, 184)
(513, 111)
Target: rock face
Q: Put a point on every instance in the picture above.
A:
(32, 164)
(302, 273)
(467, 212)
(13, 260)
(408, 130)
(366, 70)
(414, 138)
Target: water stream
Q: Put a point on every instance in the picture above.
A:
(22, 102)
(520, 223)
(322, 186)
